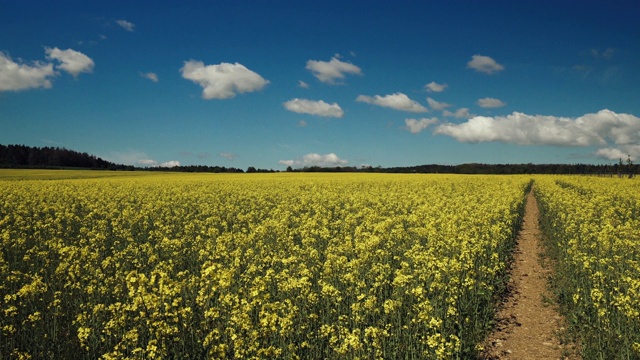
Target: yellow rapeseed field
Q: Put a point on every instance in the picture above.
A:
(593, 231)
(147, 265)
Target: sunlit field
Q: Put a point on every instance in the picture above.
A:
(593, 231)
(148, 265)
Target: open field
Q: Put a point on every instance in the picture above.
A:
(592, 228)
(149, 265)
(47, 174)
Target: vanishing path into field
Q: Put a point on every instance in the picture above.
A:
(527, 323)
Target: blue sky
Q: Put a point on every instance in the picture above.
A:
(272, 84)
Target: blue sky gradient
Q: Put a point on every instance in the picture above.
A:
(272, 84)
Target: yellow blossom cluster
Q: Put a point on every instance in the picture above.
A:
(592, 227)
(254, 265)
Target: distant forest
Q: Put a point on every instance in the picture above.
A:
(21, 156)
(28, 157)
(498, 169)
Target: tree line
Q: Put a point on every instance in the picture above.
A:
(619, 169)
(30, 157)
(22, 156)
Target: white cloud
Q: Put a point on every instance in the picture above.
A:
(436, 105)
(73, 62)
(490, 103)
(320, 108)
(153, 163)
(151, 76)
(222, 81)
(613, 133)
(327, 160)
(611, 153)
(147, 162)
(303, 84)
(172, 163)
(139, 158)
(330, 71)
(484, 64)
(125, 25)
(127, 157)
(287, 162)
(15, 76)
(435, 87)
(621, 152)
(228, 155)
(462, 113)
(398, 101)
(416, 126)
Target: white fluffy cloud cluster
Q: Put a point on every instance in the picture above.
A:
(484, 64)
(333, 70)
(153, 163)
(140, 158)
(615, 134)
(489, 103)
(415, 126)
(15, 75)
(435, 87)
(436, 105)
(71, 61)
(320, 108)
(222, 81)
(313, 159)
(397, 101)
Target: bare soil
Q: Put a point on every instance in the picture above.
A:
(528, 322)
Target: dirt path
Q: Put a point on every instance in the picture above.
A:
(527, 323)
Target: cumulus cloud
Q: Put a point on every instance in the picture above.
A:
(415, 126)
(147, 162)
(151, 76)
(153, 163)
(139, 158)
(313, 159)
(15, 76)
(398, 101)
(435, 87)
(330, 71)
(303, 84)
(73, 62)
(613, 133)
(436, 105)
(612, 153)
(462, 113)
(320, 108)
(484, 64)
(172, 163)
(127, 157)
(490, 103)
(125, 25)
(222, 81)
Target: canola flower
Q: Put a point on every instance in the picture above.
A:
(337, 266)
(592, 228)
